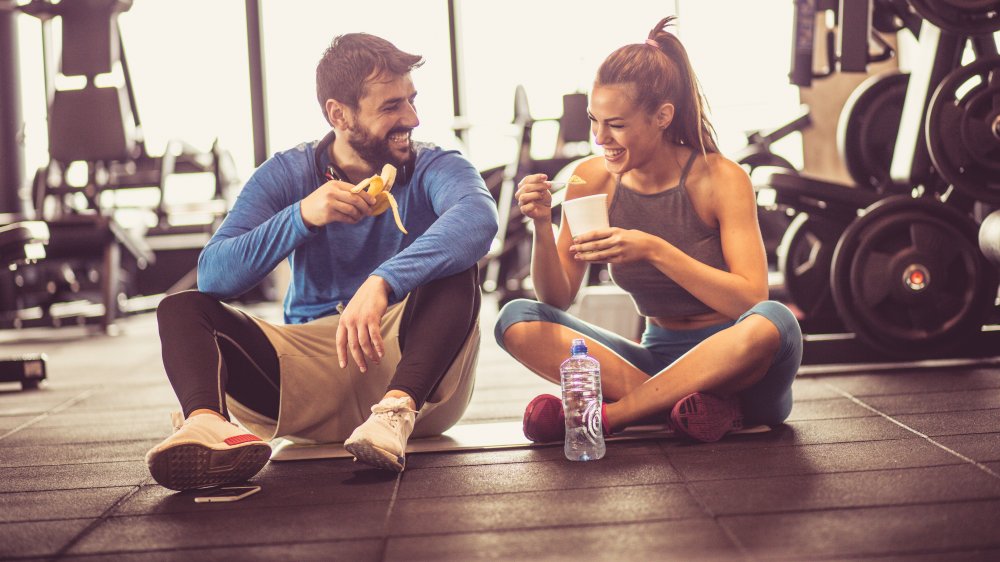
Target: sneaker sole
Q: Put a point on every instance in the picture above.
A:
(712, 421)
(374, 456)
(191, 465)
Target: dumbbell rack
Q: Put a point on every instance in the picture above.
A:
(893, 263)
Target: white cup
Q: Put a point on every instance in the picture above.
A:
(586, 213)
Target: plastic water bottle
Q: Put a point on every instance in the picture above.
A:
(580, 376)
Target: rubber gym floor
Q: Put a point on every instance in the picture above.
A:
(897, 465)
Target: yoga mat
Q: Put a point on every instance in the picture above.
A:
(468, 437)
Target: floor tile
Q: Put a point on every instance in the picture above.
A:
(936, 402)
(952, 555)
(59, 504)
(342, 488)
(219, 526)
(705, 462)
(73, 453)
(689, 539)
(847, 489)
(953, 423)
(70, 476)
(982, 447)
(8, 423)
(917, 380)
(38, 538)
(850, 532)
(810, 388)
(520, 477)
(810, 432)
(31, 403)
(361, 550)
(72, 417)
(532, 454)
(836, 482)
(825, 409)
(87, 434)
(587, 506)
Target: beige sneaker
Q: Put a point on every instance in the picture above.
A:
(381, 440)
(206, 451)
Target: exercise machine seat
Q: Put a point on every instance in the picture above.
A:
(91, 125)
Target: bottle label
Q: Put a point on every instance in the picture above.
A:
(592, 422)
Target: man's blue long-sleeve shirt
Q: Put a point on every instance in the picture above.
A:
(444, 204)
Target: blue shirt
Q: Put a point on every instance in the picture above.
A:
(444, 205)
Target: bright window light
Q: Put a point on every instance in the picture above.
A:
(188, 63)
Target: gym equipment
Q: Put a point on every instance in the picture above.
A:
(847, 42)
(506, 268)
(804, 257)
(867, 129)
(890, 16)
(989, 237)
(905, 275)
(968, 17)
(822, 210)
(105, 259)
(963, 129)
(757, 151)
(908, 278)
(21, 243)
(756, 155)
(29, 370)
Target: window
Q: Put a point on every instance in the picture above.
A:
(295, 35)
(740, 51)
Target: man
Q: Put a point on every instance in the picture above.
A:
(372, 315)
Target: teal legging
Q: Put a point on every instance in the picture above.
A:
(768, 402)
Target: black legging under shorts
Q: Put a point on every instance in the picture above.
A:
(210, 349)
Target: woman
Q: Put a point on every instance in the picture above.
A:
(683, 242)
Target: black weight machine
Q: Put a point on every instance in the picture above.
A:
(22, 243)
(98, 265)
(505, 270)
(890, 268)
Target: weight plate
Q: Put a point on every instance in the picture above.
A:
(908, 279)
(867, 129)
(884, 17)
(962, 130)
(964, 17)
(804, 258)
(753, 161)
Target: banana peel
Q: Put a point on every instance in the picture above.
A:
(378, 186)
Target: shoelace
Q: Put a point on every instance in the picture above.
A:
(392, 411)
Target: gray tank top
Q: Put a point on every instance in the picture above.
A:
(669, 215)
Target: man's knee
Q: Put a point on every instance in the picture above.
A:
(183, 305)
(459, 283)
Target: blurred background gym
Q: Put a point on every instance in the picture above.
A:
(870, 130)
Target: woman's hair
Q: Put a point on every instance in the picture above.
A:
(661, 74)
(352, 61)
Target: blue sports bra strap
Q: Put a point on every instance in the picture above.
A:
(687, 167)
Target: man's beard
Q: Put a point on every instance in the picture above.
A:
(376, 151)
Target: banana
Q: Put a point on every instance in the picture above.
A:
(388, 176)
(575, 180)
(378, 186)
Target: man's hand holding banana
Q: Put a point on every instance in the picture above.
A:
(337, 201)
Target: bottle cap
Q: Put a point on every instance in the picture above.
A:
(578, 346)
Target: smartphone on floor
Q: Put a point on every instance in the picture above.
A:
(226, 494)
